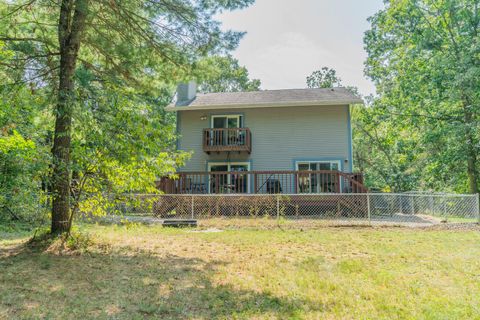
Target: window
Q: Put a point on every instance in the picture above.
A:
(320, 182)
(236, 182)
(318, 165)
(227, 121)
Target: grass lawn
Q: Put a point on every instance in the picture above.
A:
(151, 272)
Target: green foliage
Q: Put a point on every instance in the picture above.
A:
(392, 147)
(425, 60)
(324, 78)
(422, 130)
(387, 151)
(23, 158)
(79, 241)
(122, 144)
(136, 45)
(224, 74)
(132, 54)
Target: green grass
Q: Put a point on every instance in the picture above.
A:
(139, 272)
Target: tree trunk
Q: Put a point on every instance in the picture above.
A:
(70, 30)
(471, 153)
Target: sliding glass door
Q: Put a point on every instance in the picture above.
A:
(227, 137)
(228, 121)
(229, 178)
(317, 182)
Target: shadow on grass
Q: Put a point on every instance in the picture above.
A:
(127, 284)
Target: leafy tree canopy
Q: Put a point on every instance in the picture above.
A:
(324, 78)
(424, 59)
(103, 71)
(224, 74)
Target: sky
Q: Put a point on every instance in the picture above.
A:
(287, 40)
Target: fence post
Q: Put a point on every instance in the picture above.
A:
(400, 202)
(193, 206)
(368, 209)
(445, 208)
(431, 205)
(477, 206)
(278, 207)
(412, 204)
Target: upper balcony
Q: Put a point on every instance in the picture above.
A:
(227, 139)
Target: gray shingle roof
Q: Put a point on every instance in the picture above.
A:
(287, 97)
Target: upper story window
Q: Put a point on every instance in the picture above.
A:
(227, 121)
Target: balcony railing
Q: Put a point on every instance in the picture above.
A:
(227, 139)
(263, 182)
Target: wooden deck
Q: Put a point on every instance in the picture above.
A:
(263, 182)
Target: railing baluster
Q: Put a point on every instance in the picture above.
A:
(227, 139)
(263, 182)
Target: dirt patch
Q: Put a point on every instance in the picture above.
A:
(454, 227)
(209, 230)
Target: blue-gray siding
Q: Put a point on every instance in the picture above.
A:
(280, 136)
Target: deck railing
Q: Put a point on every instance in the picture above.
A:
(263, 182)
(227, 139)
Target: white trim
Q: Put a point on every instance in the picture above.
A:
(297, 162)
(174, 108)
(210, 164)
(228, 116)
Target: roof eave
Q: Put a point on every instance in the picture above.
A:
(174, 108)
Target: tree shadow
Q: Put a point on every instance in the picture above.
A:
(129, 284)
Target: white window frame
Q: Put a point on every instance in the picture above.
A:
(228, 116)
(229, 164)
(297, 165)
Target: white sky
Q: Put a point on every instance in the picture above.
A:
(287, 40)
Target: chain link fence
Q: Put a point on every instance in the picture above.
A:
(367, 208)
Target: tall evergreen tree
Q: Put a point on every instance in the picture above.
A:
(135, 45)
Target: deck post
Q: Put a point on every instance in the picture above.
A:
(368, 209)
(337, 182)
(295, 174)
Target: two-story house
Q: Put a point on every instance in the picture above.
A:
(272, 141)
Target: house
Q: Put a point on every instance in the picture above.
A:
(273, 141)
